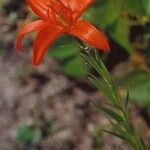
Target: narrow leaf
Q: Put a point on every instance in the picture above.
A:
(127, 99)
(100, 85)
(117, 135)
(111, 113)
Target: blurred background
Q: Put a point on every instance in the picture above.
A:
(49, 107)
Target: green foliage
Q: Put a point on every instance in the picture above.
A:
(139, 84)
(28, 134)
(105, 84)
(115, 109)
(138, 8)
(119, 32)
(135, 8)
(71, 63)
(64, 51)
(34, 133)
(109, 112)
(104, 11)
(74, 67)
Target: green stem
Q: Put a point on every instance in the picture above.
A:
(134, 138)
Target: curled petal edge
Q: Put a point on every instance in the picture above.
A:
(30, 27)
(45, 37)
(38, 8)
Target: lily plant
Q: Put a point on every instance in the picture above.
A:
(57, 17)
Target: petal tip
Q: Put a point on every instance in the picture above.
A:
(107, 49)
(19, 49)
(18, 46)
(36, 60)
(35, 63)
(104, 46)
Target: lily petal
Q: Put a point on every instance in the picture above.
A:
(44, 38)
(30, 27)
(88, 33)
(78, 6)
(39, 7)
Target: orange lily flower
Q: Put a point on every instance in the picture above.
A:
(58, 17)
